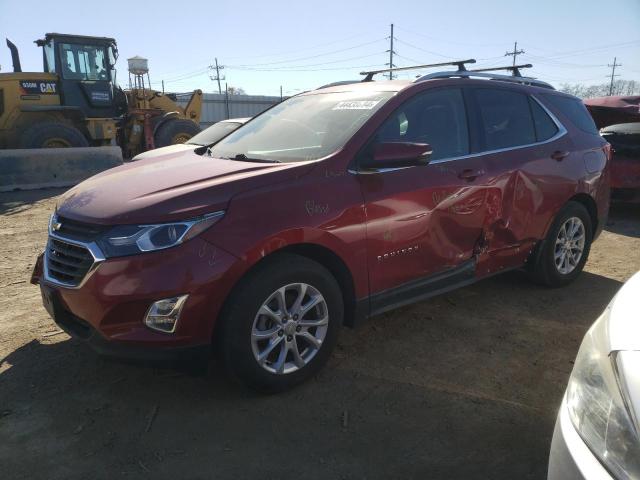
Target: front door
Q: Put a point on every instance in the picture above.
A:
(425, 220)
(85, 79)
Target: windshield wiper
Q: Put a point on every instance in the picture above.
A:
(241, 157)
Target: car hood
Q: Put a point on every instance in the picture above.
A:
(170, 186)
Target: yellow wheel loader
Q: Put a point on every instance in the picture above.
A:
(76, 101)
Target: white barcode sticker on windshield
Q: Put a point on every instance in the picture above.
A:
(356, 105)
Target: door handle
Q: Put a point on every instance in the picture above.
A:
(469, 174)
(559, 155)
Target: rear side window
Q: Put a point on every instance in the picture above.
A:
(435, 117)
(574, 109)
(545, 127)
(505, 118)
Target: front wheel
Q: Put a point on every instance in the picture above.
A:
(52, 135)
(281, 323)
(566, 248)
(174, 131)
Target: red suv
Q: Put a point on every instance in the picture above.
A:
(332, 206)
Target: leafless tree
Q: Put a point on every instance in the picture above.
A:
(236, 91)
(620, 87)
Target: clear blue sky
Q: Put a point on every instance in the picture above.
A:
(301, 45)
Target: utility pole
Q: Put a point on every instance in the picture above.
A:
(515, 53)
(217, 77)
(391, 52)
(613, 73)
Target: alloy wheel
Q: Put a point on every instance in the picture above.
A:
(289, 328)
(569, 245)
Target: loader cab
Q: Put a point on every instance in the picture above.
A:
(86, 70)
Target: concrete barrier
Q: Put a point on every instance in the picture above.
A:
(26, 169)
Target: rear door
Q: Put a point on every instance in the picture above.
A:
(526, 152)
(424, 220)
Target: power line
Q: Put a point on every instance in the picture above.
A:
(613, 73)
(559, 64)
(315, 56)
(298, 50)
(587, 51)
(435, 39)
(288, 67)
(403, 42)
(515, 53)
(262, 69)
(203, 69)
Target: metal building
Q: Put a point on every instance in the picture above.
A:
(216, 107)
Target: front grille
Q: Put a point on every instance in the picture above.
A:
(75, 230)
(67, 263)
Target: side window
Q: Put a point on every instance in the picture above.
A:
(436, 117)
(506, 118)
(545, 127)
(574, 110)
(49, 55)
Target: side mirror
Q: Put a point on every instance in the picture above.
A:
(397, 155)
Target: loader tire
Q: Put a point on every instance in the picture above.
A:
(174, 131)
(52, 135)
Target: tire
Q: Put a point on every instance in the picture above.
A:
(235, 342)
(546, 269)
(51, 135)
(174, 130)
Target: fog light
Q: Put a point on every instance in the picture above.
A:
(163, 315)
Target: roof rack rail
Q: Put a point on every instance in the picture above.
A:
(490, 76)
(514, 69)
(459, 63)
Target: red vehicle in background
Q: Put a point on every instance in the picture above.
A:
(333, 206)
(619, 120)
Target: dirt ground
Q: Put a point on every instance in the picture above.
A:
(465, 385)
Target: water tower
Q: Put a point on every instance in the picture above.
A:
(138, 67)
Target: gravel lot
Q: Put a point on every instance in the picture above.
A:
(465, 385)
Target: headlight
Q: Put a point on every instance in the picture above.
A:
(599, 407)
(131, 239)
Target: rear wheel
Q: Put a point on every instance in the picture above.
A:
(52, 135)
(173, 131)
(281, 323)
(566, 248)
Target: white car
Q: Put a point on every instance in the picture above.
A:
(208, 136)
(597, 430)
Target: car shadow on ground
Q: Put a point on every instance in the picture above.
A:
(465, 385)
(12, 203)
(623, 219)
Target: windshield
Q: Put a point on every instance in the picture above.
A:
(214, 133)
(302, 128)
(83, 62)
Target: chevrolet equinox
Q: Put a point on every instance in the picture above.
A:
(330, 207)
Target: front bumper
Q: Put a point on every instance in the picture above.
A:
(570, 458)
(108, 309)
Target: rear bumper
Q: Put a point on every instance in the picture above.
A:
(570, 458)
